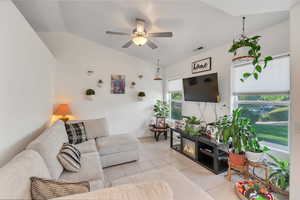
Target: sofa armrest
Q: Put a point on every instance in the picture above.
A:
(146, 191)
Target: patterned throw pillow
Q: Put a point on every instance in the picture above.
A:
(44, 189)
(76, 133)
(69, 157)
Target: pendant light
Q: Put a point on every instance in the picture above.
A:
(157, 74)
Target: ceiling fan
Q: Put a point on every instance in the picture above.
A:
(140, 36)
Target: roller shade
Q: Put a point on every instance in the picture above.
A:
(275, 79)
(175, 85)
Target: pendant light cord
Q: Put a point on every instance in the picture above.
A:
(244, 21)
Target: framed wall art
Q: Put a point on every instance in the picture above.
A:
(117, 84)
(201, 65)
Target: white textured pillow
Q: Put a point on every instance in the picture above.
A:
(69, 157)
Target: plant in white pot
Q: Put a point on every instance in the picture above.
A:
(254, 151)
(90, 94)
(141, 95)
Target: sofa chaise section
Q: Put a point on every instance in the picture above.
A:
(113, 149)
(117, 149)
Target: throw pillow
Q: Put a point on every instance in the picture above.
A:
(69, 157)
(44, 189)
(76, 133)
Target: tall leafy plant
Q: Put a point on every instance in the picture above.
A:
(161, 109)
(235, 131)
(254, 51)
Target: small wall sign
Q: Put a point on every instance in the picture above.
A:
(201, 65)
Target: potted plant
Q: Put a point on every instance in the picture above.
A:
(280, 175)
(161, 109)
(235, 132)
(90, 93)
(192, 125)
(141, 95)
(254, 151)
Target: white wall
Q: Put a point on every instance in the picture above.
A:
(295, 99)
(75, 56)
(275, 40)
(26, 96)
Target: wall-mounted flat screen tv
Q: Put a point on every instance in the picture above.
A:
(201, 88)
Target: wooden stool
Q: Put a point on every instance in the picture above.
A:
(242, 170)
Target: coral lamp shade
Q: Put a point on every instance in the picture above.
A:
(62, 109)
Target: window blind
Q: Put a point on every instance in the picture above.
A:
(275, 79)
(175, 85)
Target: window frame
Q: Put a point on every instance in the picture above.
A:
(176, 101)
(273, 146)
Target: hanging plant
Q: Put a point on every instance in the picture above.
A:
(254, 52)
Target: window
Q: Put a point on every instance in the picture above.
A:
(266, 101)
(175, 96)
(270, 115)
(176, 105)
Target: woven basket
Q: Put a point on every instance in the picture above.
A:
(279, 191)
(241, 196)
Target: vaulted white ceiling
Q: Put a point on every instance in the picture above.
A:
(193, 23)
(242, 7)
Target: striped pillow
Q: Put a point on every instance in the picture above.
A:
(76, 132)
(69, 157)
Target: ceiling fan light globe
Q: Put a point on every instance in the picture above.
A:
(139, 40)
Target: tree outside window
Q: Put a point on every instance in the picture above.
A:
(176, 98)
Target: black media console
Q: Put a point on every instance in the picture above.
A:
(202, 150)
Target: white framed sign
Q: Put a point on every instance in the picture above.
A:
(201, 65)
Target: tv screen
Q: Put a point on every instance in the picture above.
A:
(201, 88)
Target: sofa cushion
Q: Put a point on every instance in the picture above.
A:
(94, 127)
(44, 189)
(76, 133)
(96, 184)
(119, 158)
(48, 145)
(15, 175)
(91, 169)
(116, 143)
(87, 147)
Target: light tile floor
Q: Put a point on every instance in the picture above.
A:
(154, 155)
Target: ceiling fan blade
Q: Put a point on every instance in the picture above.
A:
(151, 44)
(140, 25)
(116, 33)
(161, 34)
(127, 44)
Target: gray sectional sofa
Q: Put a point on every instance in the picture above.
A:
(40, 158)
